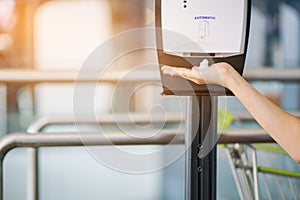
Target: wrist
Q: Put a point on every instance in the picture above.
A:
(227, 72)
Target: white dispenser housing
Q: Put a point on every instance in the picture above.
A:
(214, 27)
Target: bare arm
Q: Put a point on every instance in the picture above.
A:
(282, 126)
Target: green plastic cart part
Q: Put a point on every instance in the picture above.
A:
(280, 172)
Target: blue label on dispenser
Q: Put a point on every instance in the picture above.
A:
(205, 17)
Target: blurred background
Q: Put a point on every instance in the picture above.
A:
(61, 34)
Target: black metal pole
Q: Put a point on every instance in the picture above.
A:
(201, 139)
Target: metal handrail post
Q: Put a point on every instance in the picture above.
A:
(15, 140)
(40, 124)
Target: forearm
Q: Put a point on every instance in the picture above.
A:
(282, 126)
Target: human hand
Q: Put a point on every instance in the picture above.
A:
(215, 74)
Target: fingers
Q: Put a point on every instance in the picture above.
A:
(189, 74)
(174, 71)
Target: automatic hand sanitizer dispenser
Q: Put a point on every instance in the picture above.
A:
(189, 31)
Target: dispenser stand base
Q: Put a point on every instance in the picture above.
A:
(201, 140)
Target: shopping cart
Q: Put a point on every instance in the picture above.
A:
(262, 182)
